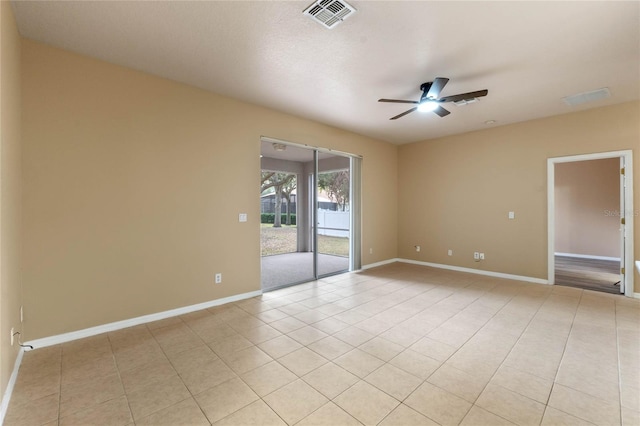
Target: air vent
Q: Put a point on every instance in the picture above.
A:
(583, 98)
(329, 13)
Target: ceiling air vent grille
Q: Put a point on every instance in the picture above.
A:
(583, 98)
(329, 13)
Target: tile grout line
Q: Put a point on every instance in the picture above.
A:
(401, 402)
(124, 391)
(615, 312)
(60, 388)
(485, 386)
(177, 373)
(566, 343)
(356, 347)
(510, 351)
(238, 376)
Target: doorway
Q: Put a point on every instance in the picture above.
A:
(309, 203)
(590, 234)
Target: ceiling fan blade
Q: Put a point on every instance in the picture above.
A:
(398, 101)
(464, 96)
(404, 113)
(436, 87)
(441, 111)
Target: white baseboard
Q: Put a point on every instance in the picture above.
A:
(636, 295)
(459, 269)
(477, 271)
(92, 331)
(6, 398)
(376, 264)
(588, 256)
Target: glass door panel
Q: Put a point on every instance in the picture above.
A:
(333, 213)
(287, 256)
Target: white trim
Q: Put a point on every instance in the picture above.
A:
(458, 269)
(355, 216)
(304, 145)
(6, 398)
(376, 264)
(477, 271)
(92, 331)
(551, 221)
(636, 295)
(588, 256)
(629, 259)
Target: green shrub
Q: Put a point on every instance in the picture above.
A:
(270, 217)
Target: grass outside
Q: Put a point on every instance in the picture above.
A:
(284, 240)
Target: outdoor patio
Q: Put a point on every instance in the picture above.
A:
(291, 268)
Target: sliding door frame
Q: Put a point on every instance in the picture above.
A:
(355, 196)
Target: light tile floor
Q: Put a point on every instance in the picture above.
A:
(396, 345)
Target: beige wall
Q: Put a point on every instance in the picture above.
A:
(10, 190)
(456, 192)
(587, 198)
(125, 176)
(133, 185)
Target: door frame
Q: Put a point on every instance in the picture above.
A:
(355, 222)
(628, 201)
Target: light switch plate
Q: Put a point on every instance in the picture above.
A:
(242, 217)
(512, 215)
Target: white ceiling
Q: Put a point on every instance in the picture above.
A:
(527, 54)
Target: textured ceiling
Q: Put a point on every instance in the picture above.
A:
(527, 54)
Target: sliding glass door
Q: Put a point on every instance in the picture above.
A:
(315, 237)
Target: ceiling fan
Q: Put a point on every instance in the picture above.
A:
(429, 100)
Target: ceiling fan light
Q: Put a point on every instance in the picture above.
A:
(427, 106)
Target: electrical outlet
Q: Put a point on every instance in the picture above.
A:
(450, 252)
(476, 255)
(417, 248)
(218, 278)
(371, 250)
(12, 333)
(481, 256)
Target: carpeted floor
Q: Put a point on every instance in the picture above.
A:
(589, 274)
(292, 268)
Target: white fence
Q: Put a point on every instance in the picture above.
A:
(333, 224)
